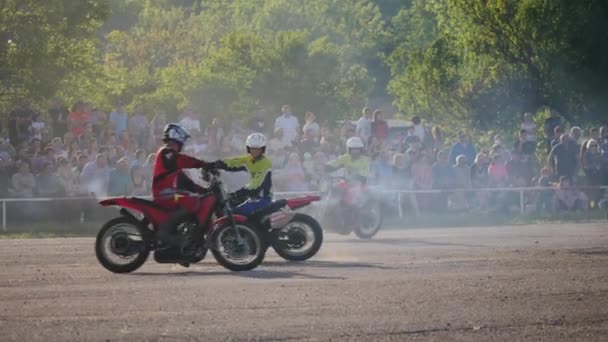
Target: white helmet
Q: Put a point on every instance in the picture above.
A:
(256, 140)
(354, 142)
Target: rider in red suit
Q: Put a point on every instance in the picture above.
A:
(168, 180)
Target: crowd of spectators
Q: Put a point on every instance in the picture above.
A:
(86, 151)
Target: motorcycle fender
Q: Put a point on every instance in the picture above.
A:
(225, 219)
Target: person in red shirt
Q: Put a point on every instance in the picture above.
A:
(77, 119)
(169, 179)
(379, 127)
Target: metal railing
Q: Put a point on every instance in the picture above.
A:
(399, 195)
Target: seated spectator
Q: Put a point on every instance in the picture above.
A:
(568, 198)
(563, 158)
(479, 171)
(422, 171)
(5, 176)
(48, 182)
(529, 126)
(515, 168)
(139, 182)
(545, 197)
(591, 162)
(95, 177)
(120, 182)
(276, 142)
(462, 146)
(140, 158)
(23, 182)
(36, 128)
(442, 172)
(67, 177)
(402, 172)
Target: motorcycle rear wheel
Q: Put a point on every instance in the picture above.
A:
(120, 245)
(299, 224)
(228, 254)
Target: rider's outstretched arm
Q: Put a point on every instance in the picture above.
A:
(174, 160)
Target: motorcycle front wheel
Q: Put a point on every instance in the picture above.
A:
(299, 240)
(235, 255)
(120, 246)
(370, 220)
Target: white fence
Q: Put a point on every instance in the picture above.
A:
(399, 195)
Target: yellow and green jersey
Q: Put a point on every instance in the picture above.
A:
(260, 173)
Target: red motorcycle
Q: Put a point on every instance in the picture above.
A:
(124, 243)
(351, 206)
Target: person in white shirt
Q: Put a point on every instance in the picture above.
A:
(530, 127)
(189, 121)
(364, 125)
(289, 124)
(419, 130)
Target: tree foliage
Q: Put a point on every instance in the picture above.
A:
(460, 62)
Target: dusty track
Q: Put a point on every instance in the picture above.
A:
(509, 283)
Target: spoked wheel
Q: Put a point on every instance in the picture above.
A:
(300, 239)
(120, 246)
(243, 255)
(370, 220)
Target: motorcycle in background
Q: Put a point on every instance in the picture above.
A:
(350, 206)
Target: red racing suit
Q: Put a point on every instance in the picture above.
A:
(168, 179)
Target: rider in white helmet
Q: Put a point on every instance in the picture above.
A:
(257, 194)
(356, 165)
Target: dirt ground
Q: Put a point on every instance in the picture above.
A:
(537, 282)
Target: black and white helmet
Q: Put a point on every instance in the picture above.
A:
(176, 133)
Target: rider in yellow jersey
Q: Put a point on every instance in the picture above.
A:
(257, 194)
(356, 165)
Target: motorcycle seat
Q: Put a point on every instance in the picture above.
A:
(274, 206)
(150, 204)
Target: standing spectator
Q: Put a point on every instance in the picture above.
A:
(36, 128)
(257, 122)
(419, 130)
(591, 163)
(289, 124)
(422, 171)
(529, 126)
(18, 123)
(308, 143)
(575, 135)
(379, 127)
(523, 145)
(563, 158)
(551, 123)
(382, 169)
(497, 172)
(48, 182)
(189, 120)
(462, 180)
(463, 146)
(98, 120)
(310, 124)
(118, 119)
(138, 125)
(557, 133)
(23, 182)
(215, 134)
(157, 124)
(67, 177)
(5, 176)
(364, 126)
(292, 176)
(77, 119)
(515, 169)
(438, 139)
(95, 176)
(120, 182)
(277, 143)
(58, 113)
(594, 134)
